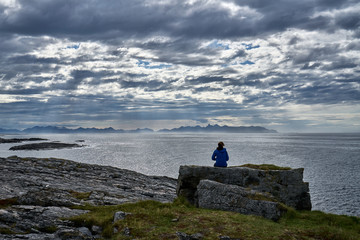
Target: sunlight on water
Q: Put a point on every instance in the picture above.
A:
(331, 161)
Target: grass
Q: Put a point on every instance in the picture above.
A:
(154, 220)
(265, 167)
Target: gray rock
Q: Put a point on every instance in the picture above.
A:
(214, 195)
(72, 233)
(43, 190)
(96, 229)
(8, 217)
(184, 236)
(85, 231)
(120, 216)
(228, 238)
(286, 186)
(126, 232)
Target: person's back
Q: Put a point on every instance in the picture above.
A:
(220, 155)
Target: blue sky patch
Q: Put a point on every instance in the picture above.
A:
(247, 62)
(146, 64)
(216, 44)
(75, 46)
(250, 46)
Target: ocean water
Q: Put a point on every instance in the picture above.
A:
(331, 161)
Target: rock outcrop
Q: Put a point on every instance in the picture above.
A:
(18, 140)
(45, 146)
(35, 194)
(284, 186)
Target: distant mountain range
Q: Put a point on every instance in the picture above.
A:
(217, 128)
(208, 128)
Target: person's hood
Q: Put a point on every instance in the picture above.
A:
(222, 150)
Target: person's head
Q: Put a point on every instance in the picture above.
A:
(220, 145)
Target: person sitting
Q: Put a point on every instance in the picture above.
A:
(220, 155)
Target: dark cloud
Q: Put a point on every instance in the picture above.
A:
(29, 59)
(315, 53)
(350, 21)
(341, 63)
(104, 20)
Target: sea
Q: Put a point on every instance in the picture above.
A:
(331, 162)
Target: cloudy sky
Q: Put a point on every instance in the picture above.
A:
(293, 66)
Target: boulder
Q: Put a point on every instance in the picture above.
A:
(286, 186)
(227, 197)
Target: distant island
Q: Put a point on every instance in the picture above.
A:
(208, 128)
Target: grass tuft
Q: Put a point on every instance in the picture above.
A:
(265, 167)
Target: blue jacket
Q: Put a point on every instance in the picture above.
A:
(221, 157)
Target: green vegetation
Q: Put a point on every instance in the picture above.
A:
(6, 231)
(154, 220)
(265, 167)
(80, 195)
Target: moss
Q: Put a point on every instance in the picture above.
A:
(265, 167)
(262, 197)
(80, 195)
(6, 231)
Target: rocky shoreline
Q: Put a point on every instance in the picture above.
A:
(37, 194)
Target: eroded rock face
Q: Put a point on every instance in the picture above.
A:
(286, 186)
(214, 195)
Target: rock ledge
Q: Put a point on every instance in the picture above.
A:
(36, 193)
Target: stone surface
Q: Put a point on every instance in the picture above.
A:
(120, 215)
(37, 194)
(214, 195)
(184, 236)
(286, 186)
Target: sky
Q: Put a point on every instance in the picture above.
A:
(292, 66)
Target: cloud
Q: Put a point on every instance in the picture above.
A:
(235, 62)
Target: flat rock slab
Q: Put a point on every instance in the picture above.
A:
(35, 193)
(214, 195)
(45, 146)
